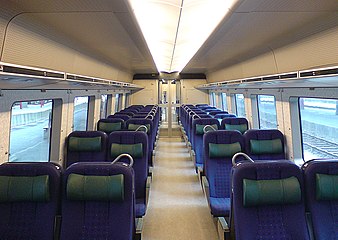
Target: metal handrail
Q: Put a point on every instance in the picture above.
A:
(233, 160)
(141, 126)
(131, 160)
(208, 126)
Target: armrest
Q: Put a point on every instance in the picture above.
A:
(223, 229)
(148, 184)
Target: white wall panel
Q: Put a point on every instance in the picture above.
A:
(191, 95)
(148, 95)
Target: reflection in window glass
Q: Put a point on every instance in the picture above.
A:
(31, 124)
(319, 120)
(103, 107)
(224, 102)
(240, 105)
(80, 113)
(267, 112)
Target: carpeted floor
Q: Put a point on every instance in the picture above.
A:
(177, 208)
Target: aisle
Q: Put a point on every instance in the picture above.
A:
(177, 208)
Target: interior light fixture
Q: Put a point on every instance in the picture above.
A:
(175, 29)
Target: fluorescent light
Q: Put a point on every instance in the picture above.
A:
(174, 33)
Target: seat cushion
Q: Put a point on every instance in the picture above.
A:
(220, 207)
(140, 207)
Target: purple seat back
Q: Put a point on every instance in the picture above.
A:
(264, 134)
(97, 155)
(234, 121)
(323, 212)
(108, 121)
(31, 220)
(224, 115)
(279, 221)
(120, 115)
(140, 163)
(108, 220)
(214, 112)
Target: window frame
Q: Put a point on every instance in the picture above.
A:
(258, 110)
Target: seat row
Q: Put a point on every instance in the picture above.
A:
(280, 200)
(86, 201)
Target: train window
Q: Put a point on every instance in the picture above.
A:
(240, 105)
(224, 101)
(117, 102)
(31, 124)
(80, 113)
(319, 121)
(267, 111)
(212, 99)
(104, 106)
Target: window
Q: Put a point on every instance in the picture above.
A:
(267, 112)
(31, 124)
(240, 105)
(212, 99)
(103, 107)
(319, 121)
(80, 113)
(224, 102)
(117, 102)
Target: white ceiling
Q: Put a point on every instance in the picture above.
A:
(107, 29)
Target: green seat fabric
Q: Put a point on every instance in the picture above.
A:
(199, 128)
(271, 192)
(133, 127)
(135, 150)
(95, 188)
(266, 146)
(223, 150)
(24, 189)
(326, 187)
(84, 144)
(240, 127)
(110, 127)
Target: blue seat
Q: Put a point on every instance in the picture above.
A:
(268, 201)
(136, 145)
(263, 144)
(109, 125)
(123, 116)
(219, 148)
(98, 202)
(29, 200)
(218, 111)
(236, 123)
(133, 123)
(86, 146)
(321, 181)
(197, 135)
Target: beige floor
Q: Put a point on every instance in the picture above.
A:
(177, 208)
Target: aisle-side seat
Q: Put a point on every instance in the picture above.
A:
(218, 111)
(109, 125)
(98, 202)
(136, 145)
(268, 201)
(86, 146)
(236, 123)
(29, 200)
(264, 144)
(123, 116)
(219, 148)
(321, 184)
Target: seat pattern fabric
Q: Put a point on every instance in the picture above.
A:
(86, 156)
(234, 121)
(324, 213)
(282, 222)
(30, 220)
(109, 121)
(101, 220)
(218, 170)
(263, 134)
(140, 164)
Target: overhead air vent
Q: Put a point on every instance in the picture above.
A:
(319, 72)
(269, 78)
(251, 80)
(289, 76)
(30, 72)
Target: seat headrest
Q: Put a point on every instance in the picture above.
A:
(224, 150)
(271, 192)
(95, 188)
(240, 127)
(84, 144)
(135, 150)
(326, 187)
(200, 127)
(24, 188)
(273, 146)
(109, 127)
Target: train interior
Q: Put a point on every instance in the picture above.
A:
(168, 119)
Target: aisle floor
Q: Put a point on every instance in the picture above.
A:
(177, 208)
